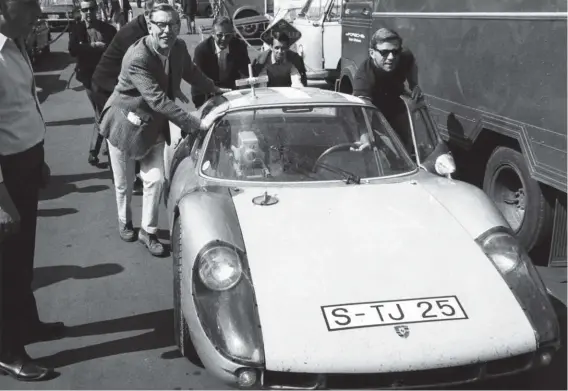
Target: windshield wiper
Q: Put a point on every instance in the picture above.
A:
(347, 176)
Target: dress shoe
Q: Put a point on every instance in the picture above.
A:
(22, 367)
(152, 243)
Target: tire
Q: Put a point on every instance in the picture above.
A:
(181, 329)
(249, 31)
(519, 197)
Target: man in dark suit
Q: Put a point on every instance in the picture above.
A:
(222, 57)
(88, 40)
(135, 118)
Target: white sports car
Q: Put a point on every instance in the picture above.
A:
(315, 246)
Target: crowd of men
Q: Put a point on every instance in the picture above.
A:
(133, 90)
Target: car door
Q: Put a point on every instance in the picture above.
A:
(332, 35)
(425, 142)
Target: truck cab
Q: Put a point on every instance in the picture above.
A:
(319, 22)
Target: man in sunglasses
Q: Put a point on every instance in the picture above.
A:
(381, 78)
(222, 57)
(88, 40)
(135, 119)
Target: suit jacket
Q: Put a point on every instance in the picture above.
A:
(145, 93)
(263, 59)
(80, 39)
(206, 60)
(108, 68)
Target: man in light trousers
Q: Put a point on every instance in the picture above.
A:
(135, 118)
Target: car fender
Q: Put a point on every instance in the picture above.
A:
(468, 204)
(206, 215)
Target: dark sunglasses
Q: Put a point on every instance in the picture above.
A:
(385, 53)
(88, 9)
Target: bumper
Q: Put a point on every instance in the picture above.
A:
(408, 380)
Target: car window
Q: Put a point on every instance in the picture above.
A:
(283, 145)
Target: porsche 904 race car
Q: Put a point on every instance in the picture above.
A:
(303, 259)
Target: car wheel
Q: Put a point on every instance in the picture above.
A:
(181, 329)
(519, 197)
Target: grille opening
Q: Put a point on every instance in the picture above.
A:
(510, 364)
(289, 379)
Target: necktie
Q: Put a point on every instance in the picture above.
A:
(223, 63)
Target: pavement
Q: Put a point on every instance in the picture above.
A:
(114, 296)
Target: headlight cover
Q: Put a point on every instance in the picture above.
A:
(228, 313)
(220, 268)
(518, 271)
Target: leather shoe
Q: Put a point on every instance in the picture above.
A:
(45, 330)
(22, 367)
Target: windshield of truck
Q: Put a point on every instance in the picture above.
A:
(301, 143)
(313, 9)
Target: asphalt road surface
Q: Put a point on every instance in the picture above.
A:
(114, 296)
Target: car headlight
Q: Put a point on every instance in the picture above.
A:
(518, 271)
(220, 268)
(226, 305)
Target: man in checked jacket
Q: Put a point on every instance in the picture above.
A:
(135, 118)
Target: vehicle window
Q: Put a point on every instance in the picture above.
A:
(426, 141)
(313, 9)
(283, 145)
(334, 13)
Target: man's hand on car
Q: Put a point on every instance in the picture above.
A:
(416, 93)
(219, 90)
(9, 216)
(363, 143)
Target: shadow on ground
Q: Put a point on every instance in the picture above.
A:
(75, 122)
(54, 61)
(160, 324)
(49, 84)
(61, 185)
(49, 275)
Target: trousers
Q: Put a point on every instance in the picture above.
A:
(152, 175)
(22, 178)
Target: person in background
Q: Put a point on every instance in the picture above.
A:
(190, 10)
(105, 76)
(283, 67)
(22, 173)
(222, 57)
(88, 39)
(135, 118)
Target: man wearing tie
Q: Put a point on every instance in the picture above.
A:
(222, 57)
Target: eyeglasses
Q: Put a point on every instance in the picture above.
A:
(386, 52)
(223, 35)
(88, 9)
(162, 25)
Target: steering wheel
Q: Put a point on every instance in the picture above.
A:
(335, 148)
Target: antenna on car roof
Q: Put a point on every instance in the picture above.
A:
(251, 81)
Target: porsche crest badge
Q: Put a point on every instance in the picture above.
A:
(402, 331)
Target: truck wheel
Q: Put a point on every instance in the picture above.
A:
(519, 197)
(181, 329)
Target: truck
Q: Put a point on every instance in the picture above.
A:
(495, 80)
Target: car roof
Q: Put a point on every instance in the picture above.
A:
(280, 96)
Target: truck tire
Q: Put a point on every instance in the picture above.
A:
(519, 197)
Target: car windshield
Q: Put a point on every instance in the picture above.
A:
(303, 143)
(49, 3)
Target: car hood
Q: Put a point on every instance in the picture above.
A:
(320, 247)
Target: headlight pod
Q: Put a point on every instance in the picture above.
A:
(518, 271)
(220, 268)
(503, 250)
(224, 298)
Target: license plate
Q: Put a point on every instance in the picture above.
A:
(391, 312)
(54, 16)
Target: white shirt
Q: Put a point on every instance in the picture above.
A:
(21, 121)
